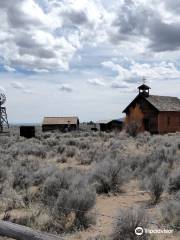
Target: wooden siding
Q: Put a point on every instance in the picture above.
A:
(144, 113)
(60, 127)
(168, 122)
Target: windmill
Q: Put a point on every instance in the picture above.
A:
(3, 114)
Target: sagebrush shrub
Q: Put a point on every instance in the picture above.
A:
(170, 214)
(42, 174)
(53, 185)
(29, 148)
(61, 149)
(3, 174)
(174, 182)
(108, 176)
(156, 185)
(71, 151)
(22, 179)
(128, 220)
(81, 199)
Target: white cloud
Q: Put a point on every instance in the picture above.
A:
(122, 85)
(18, 85)
(96, 82)
(9, 69)
(136, 71)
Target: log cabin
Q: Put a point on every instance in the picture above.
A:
(153, 113)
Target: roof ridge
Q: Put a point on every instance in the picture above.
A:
(162, 96)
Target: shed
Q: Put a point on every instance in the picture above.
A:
(27, 131)
(110, 125)
(63, 124)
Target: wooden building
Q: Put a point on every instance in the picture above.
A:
(156, 114)
(110, 125)
(27, 131)
(63, 124)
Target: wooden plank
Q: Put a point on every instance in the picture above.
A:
(15, 231)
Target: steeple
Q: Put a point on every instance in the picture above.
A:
(144, 89)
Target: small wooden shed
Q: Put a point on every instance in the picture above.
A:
(27, 131)
(63, 124)
(110, 125)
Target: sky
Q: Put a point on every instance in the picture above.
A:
(86, 58)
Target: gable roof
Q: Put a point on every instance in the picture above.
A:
(161, 103)
(60, 120)
(164, 103)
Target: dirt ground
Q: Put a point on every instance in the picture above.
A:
(108, 206)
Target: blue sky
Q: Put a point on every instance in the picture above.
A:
(86, 58)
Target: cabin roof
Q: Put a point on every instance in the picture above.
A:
(60, 120)
(161, 103)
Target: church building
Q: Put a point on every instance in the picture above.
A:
(153, 113)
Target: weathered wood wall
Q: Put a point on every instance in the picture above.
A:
(172, 124)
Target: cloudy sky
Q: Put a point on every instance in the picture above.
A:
(86, 58)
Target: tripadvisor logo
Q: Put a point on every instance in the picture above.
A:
(139, 231)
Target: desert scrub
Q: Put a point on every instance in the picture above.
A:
(127, 221)
(53, 185)
(170, 214)
(71, 152)
(174, 182)
(23, 171)
(82, 200)
(155, 186)
(28, 147)
(108, 176)
(42, 174)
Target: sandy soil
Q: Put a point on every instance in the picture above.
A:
(109, 205)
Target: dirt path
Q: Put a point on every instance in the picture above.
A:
(109, 205)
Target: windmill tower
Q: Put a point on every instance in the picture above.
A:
(3, 114)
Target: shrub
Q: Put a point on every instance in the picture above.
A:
(156, 187)
(133, 128)
(81, 199)
(85, 157)
(128, 220)
(170, 214)
(21, 178)
(42, 174)
(3, 174)
(28, 147)
(61, 149)
(71, 152)
(174, 182)
(108, 176)
(53, 185)
(6, 159)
